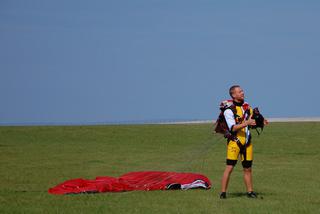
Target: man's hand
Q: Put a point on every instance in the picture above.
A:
(250, 122)
(265, 122)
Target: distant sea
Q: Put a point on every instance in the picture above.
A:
(155, 121)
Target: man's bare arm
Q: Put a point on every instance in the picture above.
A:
(249, 122)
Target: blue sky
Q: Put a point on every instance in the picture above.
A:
(114, 61)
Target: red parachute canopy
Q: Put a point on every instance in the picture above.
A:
(147, 180)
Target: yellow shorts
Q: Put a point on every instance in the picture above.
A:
(233, 152)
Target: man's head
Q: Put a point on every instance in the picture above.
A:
(236, 93)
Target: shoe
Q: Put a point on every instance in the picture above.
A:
(223, 195)
(252, 195)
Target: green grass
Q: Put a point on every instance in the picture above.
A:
(33, 159)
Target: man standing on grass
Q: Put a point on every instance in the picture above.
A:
(238, 119)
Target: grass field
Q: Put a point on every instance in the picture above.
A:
(33, 159)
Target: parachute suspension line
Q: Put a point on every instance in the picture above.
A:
(205, 153)
(214, 140)
(198, 158)
(202, 155)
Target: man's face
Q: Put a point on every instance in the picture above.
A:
(238, 94)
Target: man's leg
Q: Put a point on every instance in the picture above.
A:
(232, 157)
(226, 177)
(247, 175)
(247, 171)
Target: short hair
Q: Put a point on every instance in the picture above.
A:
(231, 90)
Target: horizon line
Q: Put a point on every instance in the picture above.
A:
(151, 122)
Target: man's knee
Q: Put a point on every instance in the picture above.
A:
(228, 170)
(247, 170)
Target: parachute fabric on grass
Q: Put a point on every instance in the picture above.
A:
(146, 180)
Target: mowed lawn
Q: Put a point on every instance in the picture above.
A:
(33, 159)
